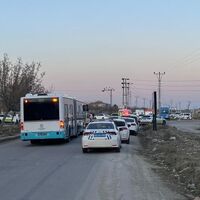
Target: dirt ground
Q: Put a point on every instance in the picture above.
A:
(9, 130)
(178, 156)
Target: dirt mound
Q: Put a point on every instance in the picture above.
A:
(177, 154)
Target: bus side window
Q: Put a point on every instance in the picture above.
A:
(71, 110)
(66, 111)
(79, 109)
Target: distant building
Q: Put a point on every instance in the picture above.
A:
(101, 107)
(98, 106)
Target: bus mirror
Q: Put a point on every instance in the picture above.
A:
(85, 108)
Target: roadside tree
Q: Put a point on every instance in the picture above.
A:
(18, 79)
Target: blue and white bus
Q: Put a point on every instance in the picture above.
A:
(50, 116)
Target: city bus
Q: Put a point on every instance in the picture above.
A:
(50, 116)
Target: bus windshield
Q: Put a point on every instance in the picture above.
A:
(41, 109)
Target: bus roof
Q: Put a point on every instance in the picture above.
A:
(49, 95)
(44, 95)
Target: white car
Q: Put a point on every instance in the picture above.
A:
(146, 119)
(101, 134)
(123, 129)
(160, 120)
(101, 116)
(186, 116)
(132, 125)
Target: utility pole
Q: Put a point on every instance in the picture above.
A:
(144, 100)
(150, 104)
(155, 111)
(179, 105)
(109, 89)
(188, 105)
(136, 101)
(129, 94)
(171, 104)
(125, 91)
(159, 76)
(176, 106)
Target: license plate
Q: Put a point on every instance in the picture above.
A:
(42, 134)
(99, 135)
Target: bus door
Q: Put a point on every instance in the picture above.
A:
(67, 119)
(71, 120)
(75, 118)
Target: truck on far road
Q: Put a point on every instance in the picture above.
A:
(164, 112)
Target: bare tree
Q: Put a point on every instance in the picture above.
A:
(18, 79)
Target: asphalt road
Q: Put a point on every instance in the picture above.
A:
(189, 126)
(63, 172)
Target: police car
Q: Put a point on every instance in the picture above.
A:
(101, 134)
(123, 129)
(132, 125)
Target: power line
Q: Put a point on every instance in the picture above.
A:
(187, 60)
(163, 85)
(137, 80)
(139, 88)
(136, 101)
(183, 80)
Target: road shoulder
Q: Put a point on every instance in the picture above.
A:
(177, 155)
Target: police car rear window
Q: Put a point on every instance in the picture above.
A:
(100, 126)
(119, 123)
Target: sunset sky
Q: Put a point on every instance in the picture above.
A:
(86, 45)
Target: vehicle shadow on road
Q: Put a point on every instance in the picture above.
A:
(101, 151)
(49, 143)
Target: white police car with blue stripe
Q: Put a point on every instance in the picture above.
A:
(101, 134)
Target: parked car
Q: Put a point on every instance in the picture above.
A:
(101, 134)
(132, 125)
(177, 115)
(9, 118)
(186, 116)
(123, 129)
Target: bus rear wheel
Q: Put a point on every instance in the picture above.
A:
(84, 150)
(68, 139)
(33, 141)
